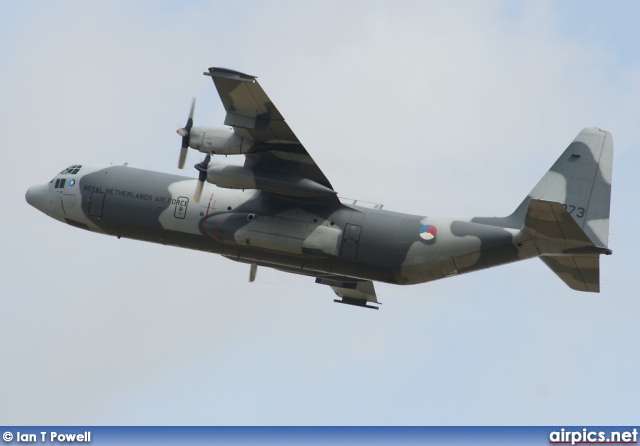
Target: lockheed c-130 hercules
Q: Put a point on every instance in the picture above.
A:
(280, 211)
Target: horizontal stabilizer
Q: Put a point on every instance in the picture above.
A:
(581, 273)
(564, 246)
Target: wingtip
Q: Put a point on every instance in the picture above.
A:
(230, 74)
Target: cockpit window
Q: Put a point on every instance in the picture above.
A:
(60, 183)
(71, 170)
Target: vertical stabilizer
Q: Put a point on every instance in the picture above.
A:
(580, 180)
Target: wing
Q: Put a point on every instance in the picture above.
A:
(252, 115)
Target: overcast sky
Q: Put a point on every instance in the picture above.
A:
(435, 108)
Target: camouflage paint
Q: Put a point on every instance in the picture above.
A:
(292, 220)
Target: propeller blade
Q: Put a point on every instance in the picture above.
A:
(198, 192)
(183, 155)
(252, 272)
(202, 177)
(190, 120)
(186, 133)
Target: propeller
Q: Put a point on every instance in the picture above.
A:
(185, 133)
(202, 177)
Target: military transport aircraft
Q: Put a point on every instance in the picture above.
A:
(279, 210)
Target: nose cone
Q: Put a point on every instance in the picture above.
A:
(38, 197)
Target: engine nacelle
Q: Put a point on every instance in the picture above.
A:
(220, 141)
(239, 177)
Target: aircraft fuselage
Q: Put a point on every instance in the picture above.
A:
(296, 235)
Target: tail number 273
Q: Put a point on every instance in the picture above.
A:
(573, 210)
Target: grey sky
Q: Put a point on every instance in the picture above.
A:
(435, 108)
